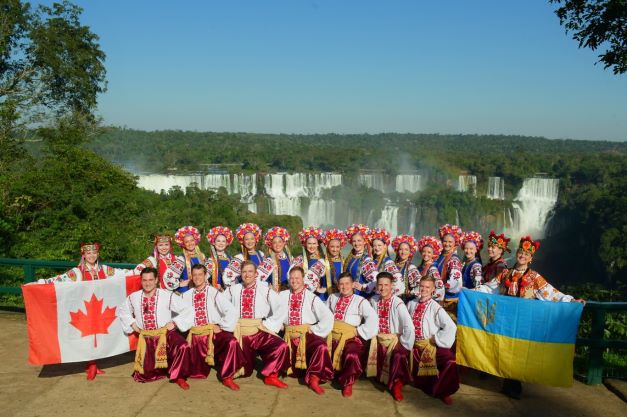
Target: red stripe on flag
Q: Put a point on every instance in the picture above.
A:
(40, 301)
(133, 283)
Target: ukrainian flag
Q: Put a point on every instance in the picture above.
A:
(525, 340)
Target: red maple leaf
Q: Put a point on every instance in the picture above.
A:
(95, 321)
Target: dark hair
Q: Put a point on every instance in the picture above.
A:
(199, 266)
(149, 270)
(298, 269)
(345, 274)
(384, 275)
(248, 262)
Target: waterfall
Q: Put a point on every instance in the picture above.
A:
(374, 181)
(389, 219)
(320, 213)
(467, 183)
(496, 188)
(160, 182)
(532, 207)
(408, 183)
(413, 212)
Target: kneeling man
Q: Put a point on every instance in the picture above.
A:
(161, 350)
(307, 324)
(211, 338)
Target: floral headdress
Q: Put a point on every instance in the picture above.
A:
(528, 245)
(453, 230)
(499, 241)
(380, 234)
(335, 234)
(276, 231)
(214, 232)
(245, 228)
(311, 231)
(432, 242)
(184, 231)
(409, 240)
(473, 237)
(355, 229)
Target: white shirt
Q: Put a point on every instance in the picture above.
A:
(399, 321)
(307, 308)
(358, 313)
(266, 304)
(434, 322)
(215, 305)
(166, 303)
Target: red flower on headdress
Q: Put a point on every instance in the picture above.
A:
(214, 232)
(355, 229)
(453, 230)
(311, 231)
(432, 242)
(498, 240)
(335, 234)
(245, 228)
(528, 245)
(380, 234)
(184, 231)
(409, 240)
(276, 231)
(473, 237)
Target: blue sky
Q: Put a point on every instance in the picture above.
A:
(502, 67)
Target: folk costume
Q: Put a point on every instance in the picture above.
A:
(218, 261)
(333, 265)
(389, 354)
(207, 347)
(313, 263)
(355, 322)
(433, 365)
(430, 269)
(232, 272)
(450, 268)
(384, 263)
(409, 272)
(472, 271)
(180, 272)
(86, 272)
(261, 316)
(160, 352)
(281, 262)
(496, 266)
(359, 264)
(307, 324)
(161, 263)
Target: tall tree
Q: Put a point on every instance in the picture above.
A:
(598, 24)
(50, 66)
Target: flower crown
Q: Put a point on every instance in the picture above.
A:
(214, 232)
(184, 231)
(276, 231)
(499, 241)
(473, 237)
(335, 234)
(453, 230)
(245, 228)
(432, 242)
(409, 240)
(360, 229)
(528, 245)
(380, 234)
(311, 231)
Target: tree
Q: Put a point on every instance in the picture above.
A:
(50, 66)
(598, 24)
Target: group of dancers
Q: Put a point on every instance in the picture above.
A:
(320, 315)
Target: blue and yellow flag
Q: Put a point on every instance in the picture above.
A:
(526, 340)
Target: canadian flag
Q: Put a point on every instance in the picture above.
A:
(77, 321)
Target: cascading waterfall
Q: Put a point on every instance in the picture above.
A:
(408, 183)
(533, 206)
(496, 188)
(467, 183)
(389, 219)
(303, 194)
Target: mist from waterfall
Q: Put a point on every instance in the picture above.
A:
(533, 206)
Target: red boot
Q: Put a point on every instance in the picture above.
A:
(347, 391)
(181, 382)
(228, 382)
(274, 380)
(92, 370)
(314, 384)
(397, 389)
(447, 400)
